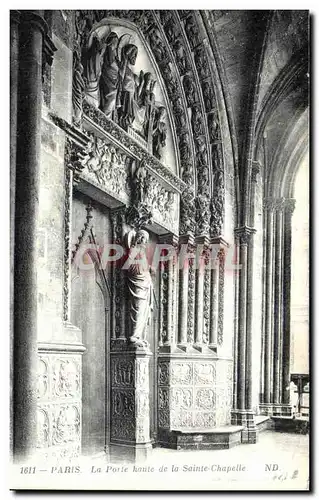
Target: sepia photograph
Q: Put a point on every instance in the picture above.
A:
(159, 250)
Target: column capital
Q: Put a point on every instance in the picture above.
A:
(243, 234)
(187, 239)
(289, 205)
(255, 170)
(269, 204)
(169, 239)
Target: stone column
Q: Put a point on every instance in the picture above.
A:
(214, 306)
(268, 277)
(202, 244)
(289, 206)
(167, 304)
(242, 238)
(186, 296)
(32, 29)
(130, 406)
(250, 272)
(277, 303)
(242, 415)
(14, 67)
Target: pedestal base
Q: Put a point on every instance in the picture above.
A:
(218, 438)
(130, 453)
(130, 404)
(272, 409)
(246, 418)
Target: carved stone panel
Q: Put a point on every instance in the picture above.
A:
(181, 373)
(130, 403)
(59, 404)
(189, 398)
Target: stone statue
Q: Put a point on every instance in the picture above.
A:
(109, 81)
(93, 67)
(213, 127)
(179, 113)
(159, 132)
(180, 57)
(197, 121)
(140, 287)
(192, 32)
(78, 86)
(208, 95)
(189, 87)
(127, 85)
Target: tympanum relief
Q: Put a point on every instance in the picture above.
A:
(114, 73)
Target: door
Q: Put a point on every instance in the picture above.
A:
(90, 313)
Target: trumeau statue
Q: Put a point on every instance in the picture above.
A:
(112, 85)
(140, 287)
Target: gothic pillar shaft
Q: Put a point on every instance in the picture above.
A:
(277, 312)
(14, 66)
(26, 231)
(170, 271)
(183, 305)
(250, 273)
(214, 305)
(248, 375)
(289, 207)
(199, 308)
(242, 327)
(268, 307)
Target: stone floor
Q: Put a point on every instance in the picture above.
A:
(279, 461)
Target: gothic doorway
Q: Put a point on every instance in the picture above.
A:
(90, 311)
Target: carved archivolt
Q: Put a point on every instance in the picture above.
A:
(177, 42)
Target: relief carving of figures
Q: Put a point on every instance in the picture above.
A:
(184, 149)
(171, 29)
(66, 376)
(213, 127)
(158, 47)
(192, 32)
(197, 121)
(109, 81)
(78, 88)
(201, 154)
(93, 57)
(201, 62)
(122, 372)
(106, 164)
(189, 88)
(179, 113)
(140, 288)
(170, 80)
(159, 132)
(163, 373)
(180, 57)
(127, 86)
(208, 96)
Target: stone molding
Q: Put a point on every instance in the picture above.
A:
(243, 235)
